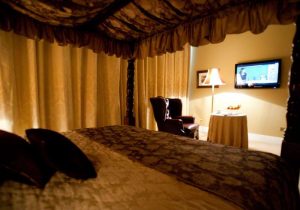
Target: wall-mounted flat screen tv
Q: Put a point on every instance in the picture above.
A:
(259, 74)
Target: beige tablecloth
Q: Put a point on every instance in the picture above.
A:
(229, 130)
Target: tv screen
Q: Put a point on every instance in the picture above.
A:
(259, 74)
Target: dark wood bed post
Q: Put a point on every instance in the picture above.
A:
(290, 149)
(129, 118)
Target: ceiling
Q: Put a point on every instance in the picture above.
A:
(140, 28)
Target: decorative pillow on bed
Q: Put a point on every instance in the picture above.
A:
(19, 162)
(60, 153)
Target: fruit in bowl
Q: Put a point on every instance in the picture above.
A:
(236, 107)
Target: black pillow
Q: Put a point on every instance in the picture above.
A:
(19, 162)
(60, 153)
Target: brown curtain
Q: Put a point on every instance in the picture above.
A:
(152, 32)
(60, 88)
(165, 75)
(221, 19)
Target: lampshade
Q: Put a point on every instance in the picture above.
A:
(213, 78)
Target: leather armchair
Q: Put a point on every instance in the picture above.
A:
(167, 114)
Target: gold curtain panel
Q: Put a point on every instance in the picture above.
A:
(141, 28)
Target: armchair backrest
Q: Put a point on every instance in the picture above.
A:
(175, 107)
(159, 106)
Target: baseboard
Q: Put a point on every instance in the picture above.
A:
(252, 137)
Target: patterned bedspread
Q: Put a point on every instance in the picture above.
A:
(250, 179)
(121, 184)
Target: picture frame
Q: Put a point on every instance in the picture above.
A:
(201, 76)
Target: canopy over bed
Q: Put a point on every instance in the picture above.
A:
(140, 28)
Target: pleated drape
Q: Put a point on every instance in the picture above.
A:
(165, 75)
(60, 88)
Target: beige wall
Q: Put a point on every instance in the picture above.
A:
(265, 108)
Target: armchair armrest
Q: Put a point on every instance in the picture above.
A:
(174, 126)
(186, 119)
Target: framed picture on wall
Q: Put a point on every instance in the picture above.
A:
(201, 76)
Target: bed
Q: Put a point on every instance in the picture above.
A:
(143, 169)
(136, 29)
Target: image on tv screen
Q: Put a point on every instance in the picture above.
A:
(260, 74)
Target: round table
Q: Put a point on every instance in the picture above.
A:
(228, 130)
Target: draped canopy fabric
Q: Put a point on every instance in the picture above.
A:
(141, 28)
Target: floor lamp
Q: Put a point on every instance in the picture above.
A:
(213, 78)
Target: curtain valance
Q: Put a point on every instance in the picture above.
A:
(142, 28)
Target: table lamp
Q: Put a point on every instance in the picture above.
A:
(213, 79)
